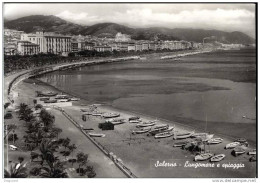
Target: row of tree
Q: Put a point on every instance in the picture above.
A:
(45, 146)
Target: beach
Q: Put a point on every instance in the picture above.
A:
(142, 153)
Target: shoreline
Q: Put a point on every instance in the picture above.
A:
(113, 142)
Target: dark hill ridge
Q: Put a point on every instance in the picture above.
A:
(55, 24)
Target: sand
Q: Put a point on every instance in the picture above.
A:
(139, 152)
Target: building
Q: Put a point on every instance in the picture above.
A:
(131, 46)
(50, 42)
(10, 49)
(89, 46)
(77, 46)
(138, 47)
(145, 46)
(102, 48)
(122, 37)
(27, 48)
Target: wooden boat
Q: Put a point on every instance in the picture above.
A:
(238, 150)
(241, 140)
(232, 145)
(134, 118)
(182, 135)
(135, 121)
(158, 130)
(50, 101)
(170, 128)
(96, 113)
(253, 152)
(205, 136)
(252, 159)
(97, 134)
(145, 124)
(47, 94)
(44, 98)
(61, 97)
(63, 100)
(203, 157)
(141, 130)
(215, 141)
(74, 99)
(161, 126)
(163, 135)
(111, 115)
(218, 158)
(181, 143)
(118, 122)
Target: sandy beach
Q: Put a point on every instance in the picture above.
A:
(139, 152)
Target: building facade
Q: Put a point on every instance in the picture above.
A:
(27, 48)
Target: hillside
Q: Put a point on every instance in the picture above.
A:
(55, 24)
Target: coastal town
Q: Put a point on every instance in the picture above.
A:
(121, 105)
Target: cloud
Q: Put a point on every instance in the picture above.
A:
(78, 17)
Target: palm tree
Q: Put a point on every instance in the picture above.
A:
(56, 170)
(16, 171)
(82, 160)
(10, 128)
(47, 118)
(66, 142)
(72, 148)
(47, 148)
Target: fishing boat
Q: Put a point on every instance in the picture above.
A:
(252, 159)
(163, 135)
(215, 141)
(97, 134)
(253, 152)
(135, 121)
(145, 124)
(170, 128)
(180, 143)
(241, 140)
(47, 94)
(44, 98)
(96, 113)
(74, 99)
(232, 145)
(155, 131)
(202, 135)
(238, 150)
(50, 101)
(63, 100)
(134, 118)
(141, 130)
(161, 126)
(61, 97)
(118, 122)
(203, 157)
(111, 115)
(182, 135)
(218, 158)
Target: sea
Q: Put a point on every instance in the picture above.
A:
(213, 92)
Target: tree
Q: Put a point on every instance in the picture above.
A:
(6, 105)
(13, 137)
(72, 148)
(82, 160)
(56, 170)
(34, 102)
(35, 171)
(20, 159)
(47, 118)
(10, 128)
(66, 142)
(16, 171)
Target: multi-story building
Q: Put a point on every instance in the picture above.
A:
(131, 46)
(10, 49)
(77, 46)
(27, 48)
(138, 47)
(89, 45)
(145, 46)
(102, 48)
(50, 42)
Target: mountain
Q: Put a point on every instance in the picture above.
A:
(55, 24)
(47, 23)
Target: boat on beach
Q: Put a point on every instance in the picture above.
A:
(163, 135)
(215, 141)
(238, 150)
(161, 126)
(119, 122)
(135, 121)
(155, 131)
(232, 145)
(253, 158)
(241, 140)
(111, 115)
(74, 99)
(203, 157)
(141, 130)
(253, 152)
(182, 135)
(96, 135)
(47, 94)
(145, 124)
(217, 158)
(50, 101)
(133, 118)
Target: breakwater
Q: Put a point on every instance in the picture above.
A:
(184, 54)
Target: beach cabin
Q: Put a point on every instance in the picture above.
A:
(13, 148)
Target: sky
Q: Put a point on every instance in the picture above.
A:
(225, 17)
